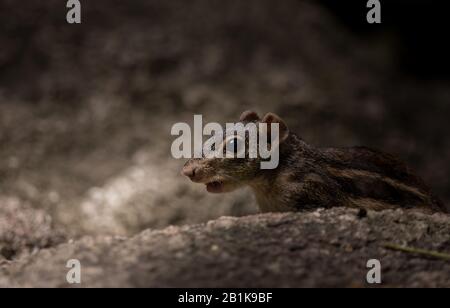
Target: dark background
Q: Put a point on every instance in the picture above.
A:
(86, 110)
(419, 27)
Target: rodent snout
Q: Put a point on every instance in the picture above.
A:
(189, 171)
(194, 172)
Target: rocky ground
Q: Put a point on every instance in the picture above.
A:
(318, 249)
(86, 112)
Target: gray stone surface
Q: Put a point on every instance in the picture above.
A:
(24, 230)
(326, 248)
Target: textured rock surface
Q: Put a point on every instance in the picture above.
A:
(322, 248)
(24, 230)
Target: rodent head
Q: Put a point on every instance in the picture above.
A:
(226, 174)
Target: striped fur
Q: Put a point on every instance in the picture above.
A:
(355, 177)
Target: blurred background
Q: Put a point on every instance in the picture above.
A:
(86, 110)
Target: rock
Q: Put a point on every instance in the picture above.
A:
(24, 230)
(325, 248)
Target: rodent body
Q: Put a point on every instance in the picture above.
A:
(308, 178)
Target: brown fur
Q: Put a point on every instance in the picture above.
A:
(309, 178)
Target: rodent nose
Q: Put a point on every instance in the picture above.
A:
(189, 171)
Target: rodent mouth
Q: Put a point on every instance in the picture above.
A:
(215, 187)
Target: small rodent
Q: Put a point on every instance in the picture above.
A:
(308, 177)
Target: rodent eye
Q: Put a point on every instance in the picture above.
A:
(234, 146)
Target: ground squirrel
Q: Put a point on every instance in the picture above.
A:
(308, 177)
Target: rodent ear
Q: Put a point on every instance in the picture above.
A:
(270, 118)
(249, 116)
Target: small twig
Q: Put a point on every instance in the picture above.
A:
(429, 253)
